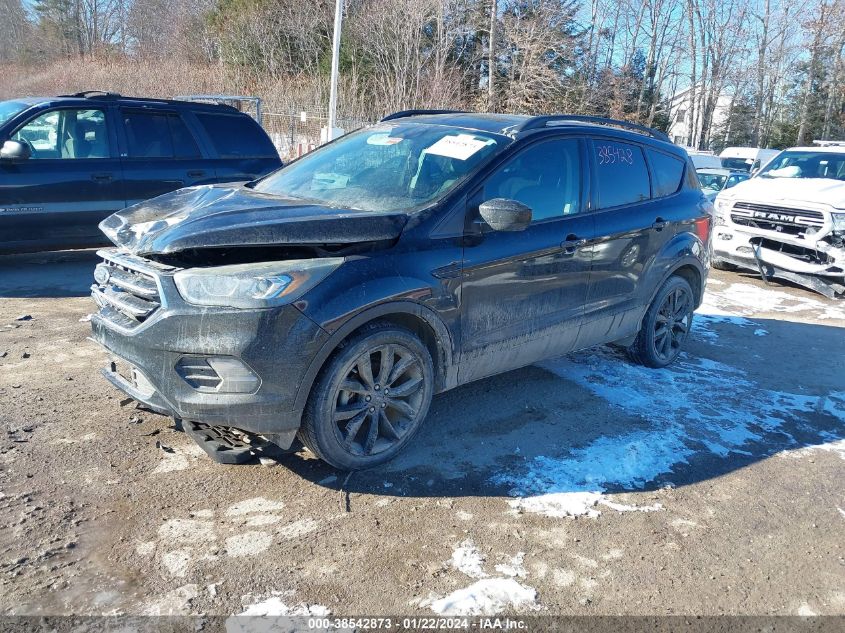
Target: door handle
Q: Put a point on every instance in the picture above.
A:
(101, 177)
(196, 173)
(659, 224)
(571, 244)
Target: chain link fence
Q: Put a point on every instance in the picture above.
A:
(296, 133)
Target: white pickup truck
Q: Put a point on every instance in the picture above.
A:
(788, 221)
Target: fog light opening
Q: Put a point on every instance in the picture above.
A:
(217, 374)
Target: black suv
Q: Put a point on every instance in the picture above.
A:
(333, 298)
(68, 162)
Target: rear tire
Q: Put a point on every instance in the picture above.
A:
(666, 325)
(370, 399)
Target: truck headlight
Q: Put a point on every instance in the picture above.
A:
(838, 221)
(263, 285)
(721, 208)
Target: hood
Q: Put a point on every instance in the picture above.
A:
(789, 191)
(213, 216)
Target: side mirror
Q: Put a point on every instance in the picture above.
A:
(15, 150)
(505, 215)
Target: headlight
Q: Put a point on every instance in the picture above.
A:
(722, 205)
(263, 285)
(721, 208)
(838, 221)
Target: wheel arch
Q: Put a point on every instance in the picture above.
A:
(682, 255)
(422, 321)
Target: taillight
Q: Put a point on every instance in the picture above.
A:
(702, 228)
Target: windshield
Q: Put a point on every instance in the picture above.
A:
(386, 168)
(8, 109)
(805, 164)
(743, 164)
(712, 181)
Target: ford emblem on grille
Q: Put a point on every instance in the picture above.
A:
(102, 274)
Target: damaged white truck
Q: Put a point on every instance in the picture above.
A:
(788, 221)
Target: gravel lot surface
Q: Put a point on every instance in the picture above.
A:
(585, 485)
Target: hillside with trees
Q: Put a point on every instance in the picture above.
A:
(782, 64)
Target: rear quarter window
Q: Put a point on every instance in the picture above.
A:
(235, 136)
(621, 173)
(667, 172)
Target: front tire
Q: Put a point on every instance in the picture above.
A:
(370, 399)
(666, 325)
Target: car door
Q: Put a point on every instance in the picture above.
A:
(522, 293)
(57, 197)
(159, 154)
(633, 222)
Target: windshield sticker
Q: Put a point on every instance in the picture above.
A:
(383, 139)
(460, 147)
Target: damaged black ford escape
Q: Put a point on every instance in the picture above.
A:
(333, 298)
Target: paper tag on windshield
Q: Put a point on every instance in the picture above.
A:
(461, 146)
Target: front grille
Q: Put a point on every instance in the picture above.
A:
(774, 218)
(126, 295)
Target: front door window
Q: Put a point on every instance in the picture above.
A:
(70, 134)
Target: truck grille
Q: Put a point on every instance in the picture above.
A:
(126, 295)
(773, 218)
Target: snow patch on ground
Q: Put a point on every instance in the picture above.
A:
(257, 504)
(467, 559)
(176, 602)
(621, 507)
(747, 299)
(248, 544)
(488, 596)
(709, 314)
(559, 504)
(186, 543)
(514, 568)
(695, 405)
(176, 562)
(274, 606)
(298, 528)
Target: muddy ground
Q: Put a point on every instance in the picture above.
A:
(583, 486)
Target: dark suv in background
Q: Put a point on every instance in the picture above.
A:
(333, 298)
(68, 162)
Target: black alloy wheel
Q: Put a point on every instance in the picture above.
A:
(370, 398)
(666, 324)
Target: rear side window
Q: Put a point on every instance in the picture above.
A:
(621, 172)
(184, 145)
(668, 172)
(158, 135)
(235, 136)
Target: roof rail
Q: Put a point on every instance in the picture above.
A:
(88, 94)
(406, 113)
(552, 119)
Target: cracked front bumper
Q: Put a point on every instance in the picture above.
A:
(277, 345)
(752, 251)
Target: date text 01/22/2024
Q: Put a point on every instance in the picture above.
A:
(420, 623)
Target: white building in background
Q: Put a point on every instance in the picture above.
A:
(680, 115)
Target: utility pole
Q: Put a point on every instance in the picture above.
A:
(338, 16)
(491, 62)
